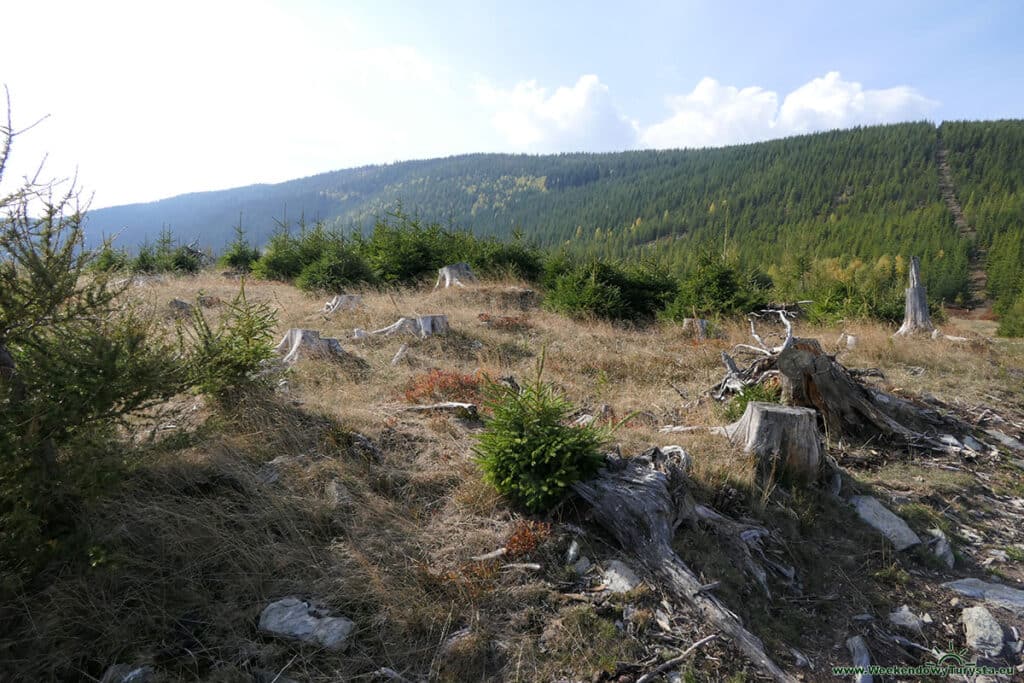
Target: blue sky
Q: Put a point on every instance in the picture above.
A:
(148, 99)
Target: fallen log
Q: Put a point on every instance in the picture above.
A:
(641, 502)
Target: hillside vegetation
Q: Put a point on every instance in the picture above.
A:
(864, 194)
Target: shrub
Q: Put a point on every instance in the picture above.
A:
(239, 256)
(335, 271)
(229, 359)
(402, 251)
(1012, 322)
(737, 405)
(714, 287)
(527, 452)
(74, 363)
(602, 290)
(443, 385)
(109, 260)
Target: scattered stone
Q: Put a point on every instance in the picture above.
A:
(208, 300)
(905, 618)
(941, 548)
(455, 274)
(799, 659)
(619, 577)
(994, 594)
(337, 494)
(582, 565)
(309, 344)
(270, 473)
(128, 673)
(180, 308)
(984, 634)
(299, 620)
(858, 648)
(888, 524)
(863, 617)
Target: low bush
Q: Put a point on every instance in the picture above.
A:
(527, 452)
(1012, 322)
(230, 358)
(240, 255)
(737, 405)
(603, 290)
(336, 270)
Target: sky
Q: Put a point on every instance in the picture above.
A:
(145, 100)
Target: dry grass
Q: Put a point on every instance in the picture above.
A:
(201, 538)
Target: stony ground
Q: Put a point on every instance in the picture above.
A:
(371, 518)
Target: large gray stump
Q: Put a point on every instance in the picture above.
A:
(915, 312)
(781, 438)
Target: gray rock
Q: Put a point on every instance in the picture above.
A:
(885, 522)
(619, 577)
(582, 565)
(179, 307)
(942, 549)
(299, 620)
(128, 673)
(994, 594)
(337, 494)
(858, 648)
(904, 618)
(984, 634)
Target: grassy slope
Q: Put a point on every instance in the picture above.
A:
(199, 540)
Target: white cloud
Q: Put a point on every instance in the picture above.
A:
(714, 114)
(579, 117)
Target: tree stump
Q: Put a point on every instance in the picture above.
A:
(421, 326)
(915, 312)
(695, 327)
(298, 342)
(782, 439)
(343, 302)
(641, 501)
(455, 274)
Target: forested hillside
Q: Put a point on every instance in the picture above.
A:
(845, 200)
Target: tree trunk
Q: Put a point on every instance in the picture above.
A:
(307, 343)
(813, 379)
(695, 327)
(783, 439)
(641, 506)
(915, 312)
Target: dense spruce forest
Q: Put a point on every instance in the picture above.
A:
(813, 212)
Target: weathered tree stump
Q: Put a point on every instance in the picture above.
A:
(307, 343)
(641, 501)
(456, 274)
(782, 439)
(343, 302)
(915, 313)
(695, 327)
(421, 326)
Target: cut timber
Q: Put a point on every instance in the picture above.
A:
(307, 343)
(421, 326)
(641, 501)
(456, 274)
(781, 438)
(463, 409)
(695, 327)
(915, 312)
(343, 302)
